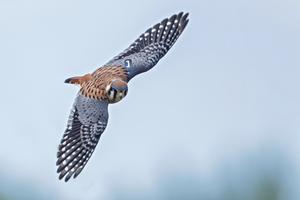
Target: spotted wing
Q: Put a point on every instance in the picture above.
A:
(87, 121)
(152, 45)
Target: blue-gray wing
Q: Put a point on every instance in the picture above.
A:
(151, 46)
(87, 121)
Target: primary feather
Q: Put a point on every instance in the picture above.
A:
(86, 123)
(151, 46)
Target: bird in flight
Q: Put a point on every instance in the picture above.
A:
(107, 85)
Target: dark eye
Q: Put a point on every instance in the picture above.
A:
(125, 92)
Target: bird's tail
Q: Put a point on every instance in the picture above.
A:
(78, 79)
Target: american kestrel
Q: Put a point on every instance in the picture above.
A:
(107, 85)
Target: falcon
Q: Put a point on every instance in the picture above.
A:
(108, 85)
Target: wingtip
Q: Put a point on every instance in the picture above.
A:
(185, 17)
(61, 175)
(182, 13)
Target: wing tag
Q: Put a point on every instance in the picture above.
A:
(128, 63)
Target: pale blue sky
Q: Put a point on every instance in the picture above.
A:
(224, 102)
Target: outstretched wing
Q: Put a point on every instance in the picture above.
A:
(87, 121)
(151, 46)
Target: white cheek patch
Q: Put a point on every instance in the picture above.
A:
(112, 94)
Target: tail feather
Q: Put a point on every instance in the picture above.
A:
(78, 79)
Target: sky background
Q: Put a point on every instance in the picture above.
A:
(217, 118)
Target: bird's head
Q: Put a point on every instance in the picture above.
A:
(116, 90)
